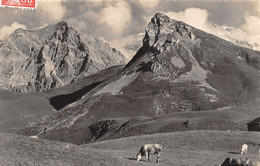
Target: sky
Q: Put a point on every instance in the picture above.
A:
(119, 21)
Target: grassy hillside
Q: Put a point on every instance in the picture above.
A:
(118, 124)
(179, 148)
(20, 110)
(186, 148)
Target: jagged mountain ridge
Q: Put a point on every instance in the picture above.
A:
(132, 47)
(178, 69)
(37, 60)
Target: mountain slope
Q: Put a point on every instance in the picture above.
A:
(178, 69)
(25, 110)
(37, 60)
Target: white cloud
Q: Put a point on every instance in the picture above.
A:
(96, 3)
(54, 10)
(258, 8)
(252, 25)
(148, 3)
(248, 32)
(81, 25)
(133, 41)
(251, 32)
(116, 16)
(5, 31)
(193, 16)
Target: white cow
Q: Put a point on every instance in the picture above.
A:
(42, 132)
(244, 149)
(148, 149)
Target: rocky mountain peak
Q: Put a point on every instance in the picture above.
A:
(62, 24)
(51, 57)
(19, 30)
(160, 19)
(163, 31)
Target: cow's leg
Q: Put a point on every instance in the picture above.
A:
(158, 155)
(138, 156)
(147, 156)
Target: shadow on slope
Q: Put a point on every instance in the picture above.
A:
(60, 97)
(60, 101)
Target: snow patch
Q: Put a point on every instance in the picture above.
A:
(75, 118)
(11, 42)
(212, 98)
(204, 84)
(34, 136)
(69, 63)
(55, 75)
(49, 65)
(69, 121)
(177, 62)
(239, 57)
(224, 108)
(102, 39)
(115, 87)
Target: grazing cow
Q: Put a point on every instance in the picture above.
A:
(236, 162)
(244, 149)
(239, 162)
(148, 149)
(37, 136)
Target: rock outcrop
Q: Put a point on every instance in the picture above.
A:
(36, 60)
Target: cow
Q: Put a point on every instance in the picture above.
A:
(244, 149)
(42, 132)
(239, 162)
(236, 162)
(148, 149)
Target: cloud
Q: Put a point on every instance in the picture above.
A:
(251, 32)
(81, 25)
(5, 31)
(257, 8)
(96, 3)
(246, 33)
(128, 45)
(148, 3)
(193, 16)
(252, 25)
(117, 17)
(53, 10)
